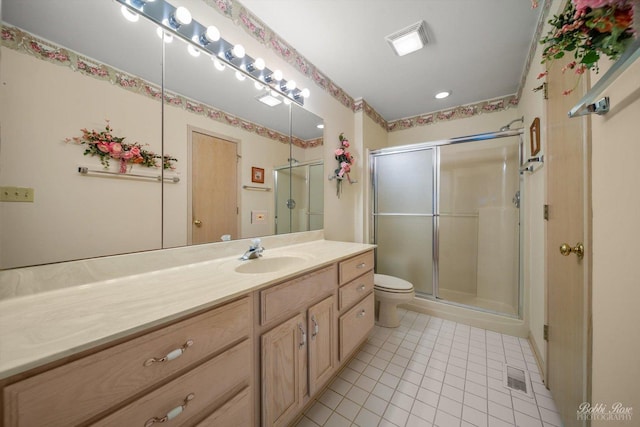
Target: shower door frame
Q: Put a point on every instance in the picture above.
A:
(434, 145)
(290, 167)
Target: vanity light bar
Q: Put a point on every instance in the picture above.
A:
(160, 12)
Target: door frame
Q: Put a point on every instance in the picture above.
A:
(587, 239)
(238, 142)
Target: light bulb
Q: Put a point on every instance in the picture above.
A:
(129, 16)
(211, 35)
(442, 95)
(193, 51)
(183, 16)
(164, 36)
(238, 51)
(291, 85)
(180, 17)
(277, 75)
(240, 76)
(259, 64)
(305, 93)
(275, 94)
(218, 64)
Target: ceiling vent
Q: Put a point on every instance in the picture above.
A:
(409, 39)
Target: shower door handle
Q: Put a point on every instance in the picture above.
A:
(578, 249)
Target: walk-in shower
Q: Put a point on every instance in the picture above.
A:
(446, 217)
(299, 197)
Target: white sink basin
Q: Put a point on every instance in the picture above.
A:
(268, 265)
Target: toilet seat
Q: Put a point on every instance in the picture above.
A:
(391, 284)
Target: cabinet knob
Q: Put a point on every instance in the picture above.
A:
(361, 265)
(361, 288)
(361, 313)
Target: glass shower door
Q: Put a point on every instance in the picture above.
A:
(404, 216)
(478, 230)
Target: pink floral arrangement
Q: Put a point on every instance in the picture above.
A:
(345, 161)
(589, 29)
(107, 146)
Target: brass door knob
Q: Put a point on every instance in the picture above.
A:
(578, 249)
(197, 223)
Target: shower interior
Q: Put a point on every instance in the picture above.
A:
(446, 218)
(299, 197)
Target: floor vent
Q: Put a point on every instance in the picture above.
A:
(517, 379)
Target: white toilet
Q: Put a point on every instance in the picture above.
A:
(390, 291)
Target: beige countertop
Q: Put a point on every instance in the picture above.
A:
(44, 327)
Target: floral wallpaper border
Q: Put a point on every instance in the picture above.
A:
(25, 42)
(242, 17)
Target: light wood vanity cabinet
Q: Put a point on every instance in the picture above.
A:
(356, 302)
(304, 336)
(298, 355)
(166, 372)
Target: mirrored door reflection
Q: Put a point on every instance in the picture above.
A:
(299, 197)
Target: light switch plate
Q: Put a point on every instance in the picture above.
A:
(16, 194)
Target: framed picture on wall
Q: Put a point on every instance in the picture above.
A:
(257, 175)
(535, 136)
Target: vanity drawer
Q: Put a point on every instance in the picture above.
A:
(202, 388)
(355, 324)
(356, 266)
(285, 298)
(354, 291)
(81, 389)
(236, 412)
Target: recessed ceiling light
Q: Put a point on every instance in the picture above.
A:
(270, 100)
(443, 94)
(409, 39)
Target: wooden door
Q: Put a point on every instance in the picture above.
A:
(283, 371)
(322, 343)
(214, 188)
(568, 280)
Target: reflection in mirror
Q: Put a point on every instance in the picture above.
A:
(56, 83)
(298, 197)
(49, 94)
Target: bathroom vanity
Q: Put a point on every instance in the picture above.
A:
(219, 342)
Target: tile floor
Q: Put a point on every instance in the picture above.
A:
(434, 372)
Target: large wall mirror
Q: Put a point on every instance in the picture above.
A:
(69, 65)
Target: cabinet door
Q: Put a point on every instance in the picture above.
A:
(283, 371)
(322, 343)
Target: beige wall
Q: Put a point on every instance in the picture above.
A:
(616, 287)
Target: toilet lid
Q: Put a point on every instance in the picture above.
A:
(391, 283)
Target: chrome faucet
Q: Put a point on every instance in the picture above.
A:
(255, 250)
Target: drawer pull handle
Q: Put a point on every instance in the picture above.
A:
(361, 314)
(316, 327)
(174, 354)
(304, 336)
(361, 288)
(361, 265)
(172, 413)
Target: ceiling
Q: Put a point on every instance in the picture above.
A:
(477, 49)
